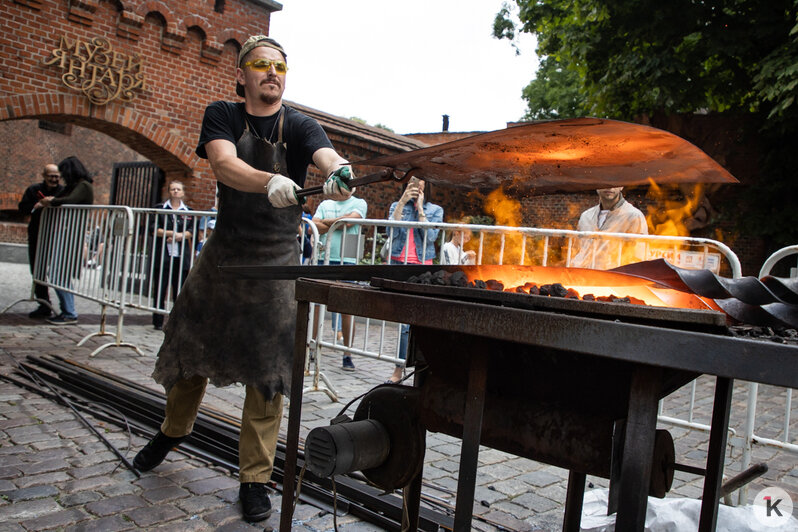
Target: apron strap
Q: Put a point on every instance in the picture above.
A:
(280, 122)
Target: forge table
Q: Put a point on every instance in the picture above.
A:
(626, 368)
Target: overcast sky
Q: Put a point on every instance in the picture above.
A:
(403, 64)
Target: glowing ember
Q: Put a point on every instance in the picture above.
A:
(600, 284)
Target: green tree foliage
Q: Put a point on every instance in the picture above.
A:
(556, 92)
(626, 58)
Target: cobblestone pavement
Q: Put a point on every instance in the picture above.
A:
(55, 474)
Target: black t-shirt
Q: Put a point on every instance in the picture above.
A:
(30, 198)
(301, 134)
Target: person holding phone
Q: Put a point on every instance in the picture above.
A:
(415, 246)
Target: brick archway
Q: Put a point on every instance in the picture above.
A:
(167, 150)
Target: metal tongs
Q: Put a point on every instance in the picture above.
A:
(386, 174)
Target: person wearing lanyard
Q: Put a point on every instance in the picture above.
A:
(173, 250)
(233, 330)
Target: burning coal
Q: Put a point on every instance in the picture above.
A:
(460, 279)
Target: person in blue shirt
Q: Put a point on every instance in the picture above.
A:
(329, 212)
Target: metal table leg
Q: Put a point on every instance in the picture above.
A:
(638, 449)
(573, 501)
(715, 454)
(411, 502)
(469, 450)
(294, 416)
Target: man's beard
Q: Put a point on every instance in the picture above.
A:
(270, 99)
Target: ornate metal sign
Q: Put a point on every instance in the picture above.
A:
(97, 70)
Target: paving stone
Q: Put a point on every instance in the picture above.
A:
(554, 492)
(28, 434)
(21, 511)
(56, 520)
(84, 484)
(235, 526)
(513, 509)
(508, 522)
(79, 499)
(152, 481)
(46, 445)
(44, 478)
(151, 515)
(164, 494)
(36, 492)
(186, 476)
(230, 495)
(211, 485)
(95, 470)
(223, 515)
(433, 473)
(14, 422)
(45, 466)
(450, 466)
(12, 460)
(114, 505)
(201, 504)
(512, 487)
(482, 493)
(112, 523)
(534, 500)
(194, 523)
(539, 478)
(119, 488)
(9, 472)
(58, 453)
(501, 471)
(6, 486)
(93, 459)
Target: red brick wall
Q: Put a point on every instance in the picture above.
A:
(25, 148)
(189, 53)
(15, 233)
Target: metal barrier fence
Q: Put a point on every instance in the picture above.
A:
(165, 244)
(84, 251)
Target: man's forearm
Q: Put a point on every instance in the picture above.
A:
(235, 173)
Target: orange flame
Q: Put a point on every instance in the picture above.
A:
(670, 216)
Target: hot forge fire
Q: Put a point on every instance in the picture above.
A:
(670, 210)
(574, 283)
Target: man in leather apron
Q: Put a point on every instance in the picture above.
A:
(242, 331)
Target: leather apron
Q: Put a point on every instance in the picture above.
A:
(239, 330)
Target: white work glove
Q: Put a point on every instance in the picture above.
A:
(281, 191)
(336, 187)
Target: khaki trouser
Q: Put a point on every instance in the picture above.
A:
(260, 425)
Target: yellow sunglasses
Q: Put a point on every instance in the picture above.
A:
(263, 65)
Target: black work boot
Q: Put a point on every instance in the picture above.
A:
(155, 451)
(255, 501)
